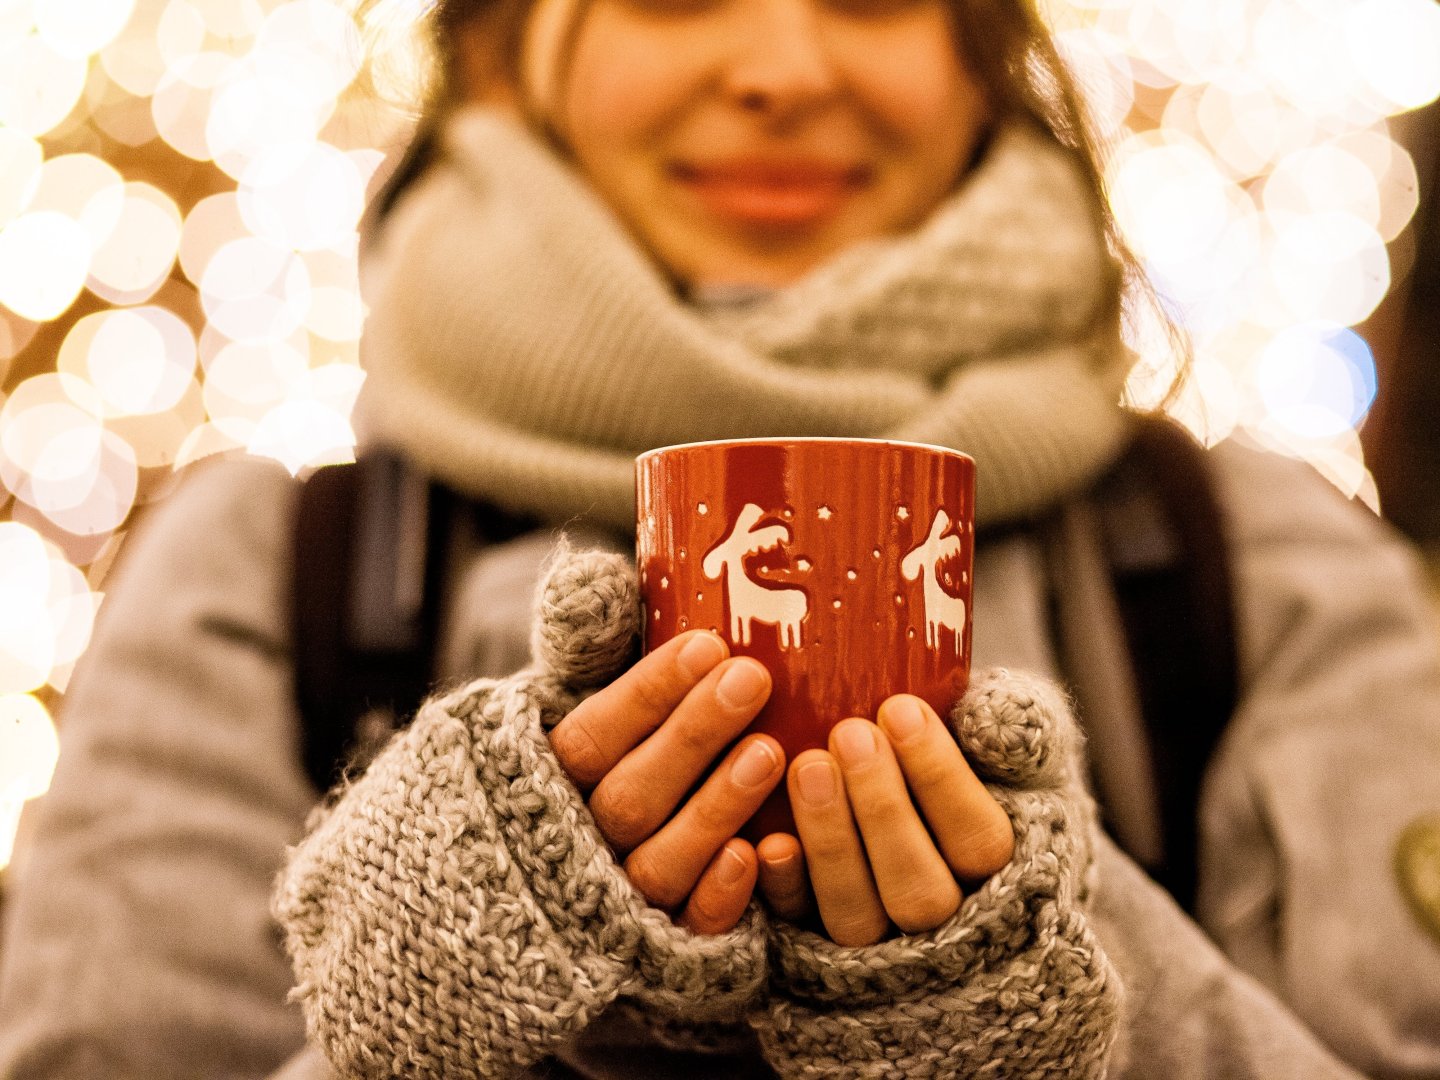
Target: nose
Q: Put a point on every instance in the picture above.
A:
(781, 64)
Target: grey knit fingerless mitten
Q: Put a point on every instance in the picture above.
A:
(456, 913)
(1014, 985)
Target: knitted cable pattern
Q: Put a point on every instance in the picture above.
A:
(455, 911)
(1015, 984)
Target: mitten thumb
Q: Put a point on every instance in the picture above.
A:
(588, 615)
(1017, 729)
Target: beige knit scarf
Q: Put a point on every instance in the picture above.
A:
(522, 348)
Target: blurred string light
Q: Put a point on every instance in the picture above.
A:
(180, 187)
(181, 182)
(1252, 169)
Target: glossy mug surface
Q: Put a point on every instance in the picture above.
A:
(843, 565)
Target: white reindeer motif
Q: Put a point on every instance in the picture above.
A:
(941, 609)
(749, 602)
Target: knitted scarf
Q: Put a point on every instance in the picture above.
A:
(524, 349)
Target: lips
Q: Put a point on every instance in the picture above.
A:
(771, 193)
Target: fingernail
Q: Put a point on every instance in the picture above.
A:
(816, 780)
(731, 867)
(701, 653)
(904, 717)
(855, 742)
(784, 862)
(755, 764)
(741, 684)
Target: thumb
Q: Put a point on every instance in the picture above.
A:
(1017, 729)
(588, 615)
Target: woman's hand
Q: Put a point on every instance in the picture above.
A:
(638, 746)
(892, 820)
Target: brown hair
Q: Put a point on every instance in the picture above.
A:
(1004, 43)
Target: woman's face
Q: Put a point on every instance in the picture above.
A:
(746, 141)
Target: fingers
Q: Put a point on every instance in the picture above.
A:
(916, 886)
(608, 725)
(783, 881)
(722, 892)
(639, 794)
(667, 866)
(845, 892)
(862, 812)
(970, 828)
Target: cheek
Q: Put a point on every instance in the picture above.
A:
(618, 89)
(919, 90)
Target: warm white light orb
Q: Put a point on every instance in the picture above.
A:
(304, 433)
(44, 258)
(140, 360)
(1395, 44)
(256, 291)
(51, 432)
(26, 655)
(186, 99)
(1318, 179)
(245, 382)
(85, 189)
(20, 161)
(306, 195)
(29, 749)
(212, 223)
(137, 257)
(1328, 267)
(78, 28)
(336, 310)
(38, 86)
(268, 100)
(1317, 380)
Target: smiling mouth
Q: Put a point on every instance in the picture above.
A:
(771, 195)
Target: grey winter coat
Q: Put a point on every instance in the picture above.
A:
(138, 942)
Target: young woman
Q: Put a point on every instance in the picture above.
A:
(629, 223)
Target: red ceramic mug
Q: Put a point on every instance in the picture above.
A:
(843, 565)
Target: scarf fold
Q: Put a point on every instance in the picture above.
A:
(524, 349)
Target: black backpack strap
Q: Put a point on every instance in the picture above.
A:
(371, 547)
(1163, 531)
(363, 614)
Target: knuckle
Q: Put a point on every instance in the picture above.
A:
(990, 848)
(654, 692)
(621, 813)
(789, 900)
(887, 810)
(711, 912)
(929, 772)
(578, 752)
(924, 907)
(647, 873)
(651, 693)
(828, 848)
(712, 816)
(856, 929)
(697, 737)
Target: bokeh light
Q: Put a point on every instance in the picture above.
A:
(20, 162)
(32, 746)
(181, 183)
(38, 86)
(136, 258)
(77, 28)
(44, 258)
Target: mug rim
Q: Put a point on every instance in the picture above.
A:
(719, 444)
